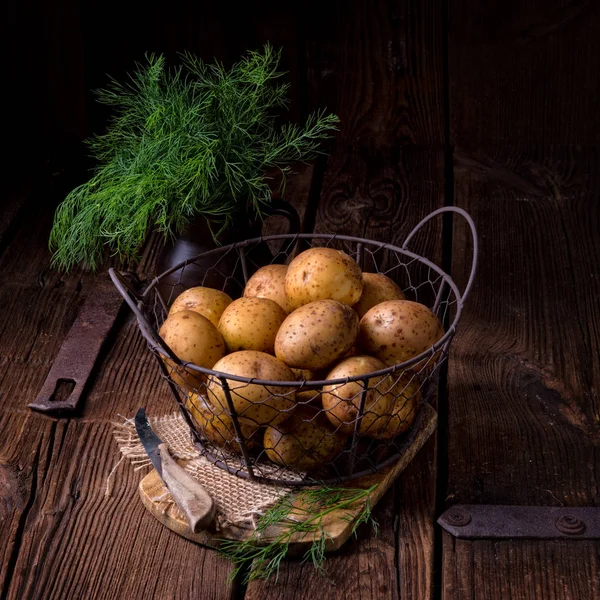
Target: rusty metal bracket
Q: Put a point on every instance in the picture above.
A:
(72, 367)
(473, 521)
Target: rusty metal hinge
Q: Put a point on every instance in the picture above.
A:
(539, 522)
(78, 353)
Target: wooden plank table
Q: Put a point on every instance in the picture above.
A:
(484, 106)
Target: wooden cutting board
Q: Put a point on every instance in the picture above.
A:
(337, 526)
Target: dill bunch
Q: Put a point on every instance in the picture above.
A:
(190, 140)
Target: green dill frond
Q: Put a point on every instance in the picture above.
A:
(185, 141)
(259, 560)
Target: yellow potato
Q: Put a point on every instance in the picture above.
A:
(203, 300)
(193, 338)
(398, 330)
(316, 334)
(313, 375)
(342, 401)
(305, 441)
(407, 395)
(377, 288)
(217, 426)
(303, 374)
(251, 324)
(254, 404)
(309, 397)
(269, 282)
(323, 274)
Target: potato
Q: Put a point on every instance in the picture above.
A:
(398, 330)
(342, 401)
(254, 404)
(308, 397)
(316, 334)
(269, 282)
(404, 408)
(303, 374)
(203, 300)
(305, 441)
(323, 274)
(217, 426)
(377, 288)
(193, 338)
(251, 324)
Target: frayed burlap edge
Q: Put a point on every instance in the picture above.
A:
(239, 502)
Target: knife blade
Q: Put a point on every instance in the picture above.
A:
(149, 439)
(191, 498)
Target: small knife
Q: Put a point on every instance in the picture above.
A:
(192, 499)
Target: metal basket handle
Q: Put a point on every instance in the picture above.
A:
(469, 220)
(133, 301)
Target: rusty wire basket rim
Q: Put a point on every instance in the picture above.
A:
(136, 302)
(156, 343)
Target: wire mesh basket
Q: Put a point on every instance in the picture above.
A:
(311, 429)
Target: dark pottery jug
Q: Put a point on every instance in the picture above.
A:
(219, 271)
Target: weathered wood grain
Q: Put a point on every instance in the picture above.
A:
(39, 303)
(77, 543)
(24, 446)
(524, 73)
(561, 570)
(524, 416)
(379, 65)
(415, 545)
(538, 374)
(523, 411)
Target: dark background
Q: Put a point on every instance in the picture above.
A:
(59, 52)
(466, 73)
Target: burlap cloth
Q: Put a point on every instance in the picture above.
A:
(239, 501)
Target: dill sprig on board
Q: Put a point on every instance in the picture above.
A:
(293, 515)
(190, 140)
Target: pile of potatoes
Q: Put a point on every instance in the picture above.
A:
(318, 318)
